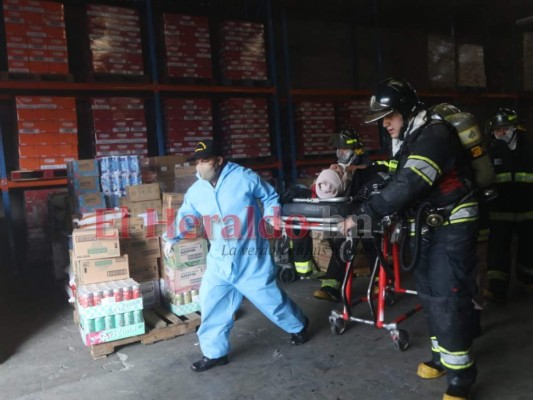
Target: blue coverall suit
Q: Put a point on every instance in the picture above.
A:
(239, 261)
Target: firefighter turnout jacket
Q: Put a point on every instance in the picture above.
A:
(431, 166)
(514, 181)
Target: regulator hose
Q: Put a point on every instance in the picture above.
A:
(418, 239)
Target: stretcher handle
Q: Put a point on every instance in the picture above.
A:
(333, 200)
(325, 220)
(329, 228)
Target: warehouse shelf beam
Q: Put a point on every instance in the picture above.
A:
(158, 105)
(33, 183)
(275, 97)
(288, 94)
(129, 87)
(7, 207)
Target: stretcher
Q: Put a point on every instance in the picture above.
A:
(324, 215)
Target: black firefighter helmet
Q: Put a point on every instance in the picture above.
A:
(346, 138)
(391, 95)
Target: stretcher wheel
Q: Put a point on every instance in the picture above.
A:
(347, 251)
(287, 275)
(400, 338)
(337, 326)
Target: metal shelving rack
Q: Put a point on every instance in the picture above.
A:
(154, 89)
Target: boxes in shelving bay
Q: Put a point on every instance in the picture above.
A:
(121, 51)
(187, 45)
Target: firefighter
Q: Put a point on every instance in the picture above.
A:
(349, 152)
(351, 156)
(512, 212)
(432, 169)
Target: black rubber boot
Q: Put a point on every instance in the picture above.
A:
(460, 383)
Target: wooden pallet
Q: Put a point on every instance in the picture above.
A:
(29, 76)
(162, 325)
(36, 174)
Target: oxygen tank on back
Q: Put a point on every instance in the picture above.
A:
(472, 140)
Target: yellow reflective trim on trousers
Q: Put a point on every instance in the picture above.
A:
(303, 267)
(429, 161)
(504, 177)
(455, 353)
(386, 163)
(456, 359)
(434, 344)
(422, 175)
(332, 283)
(524, 177)
(456, 367)
(497, 275)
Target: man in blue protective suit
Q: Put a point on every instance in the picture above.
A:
(239, 263)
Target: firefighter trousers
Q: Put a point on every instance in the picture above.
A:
(500, 253)
(446, 284)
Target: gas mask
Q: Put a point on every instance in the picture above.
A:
(207, 171)
(509, 137)
(345, 156)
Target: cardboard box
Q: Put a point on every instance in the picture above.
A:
(84, 184)
(82, 168)
(144, 269)
(187, 253)
(141, 207)
(151, 293)
(184, 279)
(149, 191)
(130, 227)
(92, 244)
(181, 296)
(173, 200)
(136, 248)
(90, 202)
(102, 270)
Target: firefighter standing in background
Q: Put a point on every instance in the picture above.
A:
(349, 151)
(512, 212)
(432, 168)
(350, 156)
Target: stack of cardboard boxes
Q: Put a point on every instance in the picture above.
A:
(35, 37)
(48, 131)
(181, 276)
(245, 128)
(187, 45)
(84, 186)
(98, 265)
(242, 50)
(187, 121)
(315, 123)
(115, 40)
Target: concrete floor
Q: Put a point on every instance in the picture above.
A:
(44, 358)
